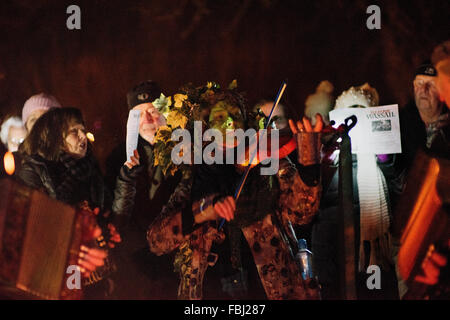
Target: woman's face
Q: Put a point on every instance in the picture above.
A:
(226, 118)
(76, 141)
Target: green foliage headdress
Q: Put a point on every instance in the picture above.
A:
(181, 110)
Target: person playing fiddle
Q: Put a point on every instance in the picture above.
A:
(257, 223)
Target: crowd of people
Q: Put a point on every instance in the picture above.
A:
(163, 222)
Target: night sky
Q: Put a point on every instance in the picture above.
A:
(257, 42)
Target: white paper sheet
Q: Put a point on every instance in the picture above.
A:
(377, 130)
(132, 132)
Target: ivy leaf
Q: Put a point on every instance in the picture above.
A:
(162, 103)
(177, 119)
(233, 85)
(179, 98)
(261, 123)
(163, 134)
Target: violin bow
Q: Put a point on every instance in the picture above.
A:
(238, 191)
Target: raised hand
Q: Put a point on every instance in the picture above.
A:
(305, 125)
(134, 160)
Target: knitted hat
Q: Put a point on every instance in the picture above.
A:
(147, 91)
(37, 102)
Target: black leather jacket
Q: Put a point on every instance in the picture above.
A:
(139, 193)
(45, 175)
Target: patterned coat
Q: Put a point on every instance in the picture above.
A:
(267, 237)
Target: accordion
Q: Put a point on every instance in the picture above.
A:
(39, 239)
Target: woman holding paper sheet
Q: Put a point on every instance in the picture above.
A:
(371, 204)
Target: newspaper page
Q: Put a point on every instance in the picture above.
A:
(132, 132)
(377, 130)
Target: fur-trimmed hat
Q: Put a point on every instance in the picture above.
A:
(147, 91)
(426, 69)
(362, 96)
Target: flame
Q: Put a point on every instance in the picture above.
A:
(8, 163)
(90, 136)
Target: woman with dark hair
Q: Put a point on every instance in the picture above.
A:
(58, 161)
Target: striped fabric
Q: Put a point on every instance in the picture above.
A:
(374, 212)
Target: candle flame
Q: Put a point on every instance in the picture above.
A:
(8, 162)
(90, 136)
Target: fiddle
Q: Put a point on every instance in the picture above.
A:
(263, 150)
(288, 143)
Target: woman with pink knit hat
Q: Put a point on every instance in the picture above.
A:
(36, 106)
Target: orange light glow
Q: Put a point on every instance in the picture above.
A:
(425, 209)
(90, 136)
(8, 162)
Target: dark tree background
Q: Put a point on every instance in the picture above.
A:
(257, 42)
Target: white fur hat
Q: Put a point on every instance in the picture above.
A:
(364, 95)
(10, 122)
(320, 102)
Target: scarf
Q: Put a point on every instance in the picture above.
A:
(434, 128)
(77, 173)
(374, 213)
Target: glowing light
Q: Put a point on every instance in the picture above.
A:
(90, 136)
(8, 163)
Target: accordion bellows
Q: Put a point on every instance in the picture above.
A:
(39, 238)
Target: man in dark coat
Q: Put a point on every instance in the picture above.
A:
(424, 125)
(423, 122)
(141, 190)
